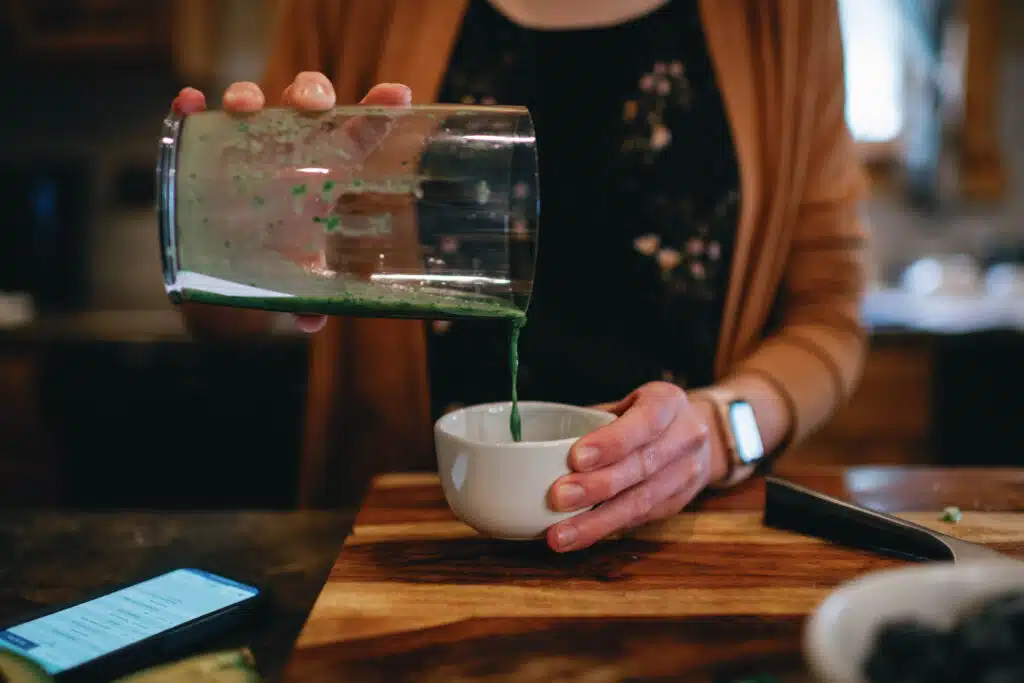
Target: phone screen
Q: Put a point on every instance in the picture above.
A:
(78, 634)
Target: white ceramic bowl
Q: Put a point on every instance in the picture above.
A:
(840, 632)
(498, 486)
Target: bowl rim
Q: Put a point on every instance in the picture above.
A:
(819, 640)
(442, 424)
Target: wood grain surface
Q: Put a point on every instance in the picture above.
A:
(709, 595)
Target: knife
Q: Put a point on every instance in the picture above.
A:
(791, 507)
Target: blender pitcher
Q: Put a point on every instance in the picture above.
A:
(415, 212)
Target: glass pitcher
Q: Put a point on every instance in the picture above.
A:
(417, 212)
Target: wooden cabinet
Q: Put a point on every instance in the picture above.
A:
(981, 150)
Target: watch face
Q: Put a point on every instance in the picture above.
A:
(744, 428)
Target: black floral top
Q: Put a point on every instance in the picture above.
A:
(639, 196)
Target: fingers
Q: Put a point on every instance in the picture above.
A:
(692, 486)
(189, 101)
(368, 132)
(243, 97)
(389, 95)
(310, 324)
(310, 91)
(684, 437)
(673, 486)
(653, 408)
(313, 92)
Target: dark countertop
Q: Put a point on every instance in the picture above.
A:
(54, 558)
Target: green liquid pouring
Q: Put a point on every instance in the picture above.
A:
(515, 421)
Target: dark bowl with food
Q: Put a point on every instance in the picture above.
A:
(931, 623)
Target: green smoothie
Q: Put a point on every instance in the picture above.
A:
(278, 212)
(366, 304)
(515, 422)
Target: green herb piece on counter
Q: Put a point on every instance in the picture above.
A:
(299, 190)
(951, 514)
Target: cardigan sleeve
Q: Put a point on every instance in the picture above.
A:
(814, 360)
(295, 45)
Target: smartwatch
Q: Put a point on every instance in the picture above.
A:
(742, 438)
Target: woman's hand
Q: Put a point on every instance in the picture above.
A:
(310, 91)
(647, 464)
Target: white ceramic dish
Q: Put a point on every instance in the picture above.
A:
(839, 634)
(500, 487)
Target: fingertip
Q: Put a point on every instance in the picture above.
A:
(551, 538)
(311, 91)
(188, 101)
(310, 324)
(584, 458)
(389, 95)
(563, 537)
(243, 97)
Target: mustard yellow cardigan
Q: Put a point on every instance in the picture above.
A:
(779, 64)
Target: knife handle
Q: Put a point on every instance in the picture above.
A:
(792, 507)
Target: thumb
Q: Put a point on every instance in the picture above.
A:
(389, 95)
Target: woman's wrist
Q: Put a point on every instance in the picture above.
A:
(719, 453)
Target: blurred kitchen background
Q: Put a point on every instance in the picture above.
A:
(99, 383)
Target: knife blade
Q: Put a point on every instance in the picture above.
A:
(791, 507)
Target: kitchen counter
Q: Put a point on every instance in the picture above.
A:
(53, 558)
(891, 310)
(707, 595)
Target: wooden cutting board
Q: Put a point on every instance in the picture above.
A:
(706, 596)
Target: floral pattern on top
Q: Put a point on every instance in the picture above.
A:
(640, 196)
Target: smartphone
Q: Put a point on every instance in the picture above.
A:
(132, 627)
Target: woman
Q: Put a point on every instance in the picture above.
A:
(700, 248)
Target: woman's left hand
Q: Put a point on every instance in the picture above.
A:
(646, 465)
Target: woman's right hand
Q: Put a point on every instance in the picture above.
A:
(310, 91)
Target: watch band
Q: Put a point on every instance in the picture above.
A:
(738, 470)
